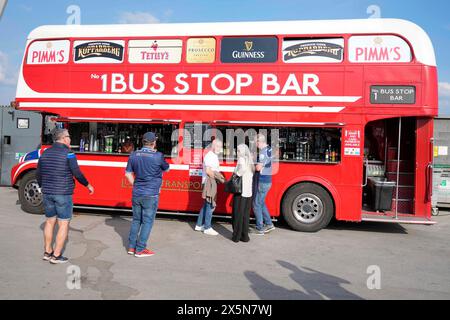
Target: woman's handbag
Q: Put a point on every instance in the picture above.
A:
(234, 185)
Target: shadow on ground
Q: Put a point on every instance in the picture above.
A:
(314, 285)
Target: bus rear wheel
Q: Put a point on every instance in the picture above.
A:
(30, 196)
(307, 207)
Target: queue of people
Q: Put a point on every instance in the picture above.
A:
(256, 180)
(58, 166)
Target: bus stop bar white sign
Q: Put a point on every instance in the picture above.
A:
(393, 94)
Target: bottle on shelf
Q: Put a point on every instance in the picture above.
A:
(327, 156)
(101, 144)
(81, 145)
(119, 144)
(95, 148)
(91, 143)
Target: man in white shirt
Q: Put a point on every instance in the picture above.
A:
(210, 166)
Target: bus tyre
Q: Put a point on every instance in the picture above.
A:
(30, 196)
(307, 207)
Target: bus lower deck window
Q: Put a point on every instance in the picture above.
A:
(293, 144)
(118, 138)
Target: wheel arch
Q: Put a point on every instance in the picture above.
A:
(17, 176)
(326, 185)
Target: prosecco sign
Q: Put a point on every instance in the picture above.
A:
(393, 94)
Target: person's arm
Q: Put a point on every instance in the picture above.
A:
(240, 168)
(164, 165)
(267, 161)
(75, 169)
(258, 165)
(38, 174)
(210, 172)
(130, 177)
(129, 173)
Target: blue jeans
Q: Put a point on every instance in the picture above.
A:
(58, 205)
(260, 210)
(205, 215)
(144, 211)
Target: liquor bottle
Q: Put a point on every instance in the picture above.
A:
(101, 144)
(81, 145)
(327, 155)
(91, 143)
(333, 156)
(86, 146)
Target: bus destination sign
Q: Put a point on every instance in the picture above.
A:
(393, 94)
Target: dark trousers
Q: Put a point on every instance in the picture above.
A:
(241, 218)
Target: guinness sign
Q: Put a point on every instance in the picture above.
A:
(98, 52)
(249, 50)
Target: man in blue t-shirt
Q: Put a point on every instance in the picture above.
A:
(144, 171)
(263, 184)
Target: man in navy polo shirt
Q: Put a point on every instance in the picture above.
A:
(144, 171)
(264, 183)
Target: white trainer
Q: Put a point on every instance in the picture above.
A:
(211, 232)
(197, 228)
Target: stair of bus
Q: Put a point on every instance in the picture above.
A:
(405, 182)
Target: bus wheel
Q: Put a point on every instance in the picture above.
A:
(29, 195)
(307, 207)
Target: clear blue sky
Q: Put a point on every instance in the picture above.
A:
(21, 16)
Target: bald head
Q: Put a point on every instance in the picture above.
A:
(216, 146)
(261, 141)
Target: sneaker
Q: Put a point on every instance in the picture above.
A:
(144, 253)
(47, 256)
(131, 251)
(257, 232)
(211, 232)
(57, 260)
(268, 229)
(197, 228)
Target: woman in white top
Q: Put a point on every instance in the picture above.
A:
(242, 202)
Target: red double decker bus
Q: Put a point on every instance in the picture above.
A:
(347, 105)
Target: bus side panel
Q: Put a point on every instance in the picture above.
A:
(344, 187)
(430, 89)
(350, 189)
(179, 191)
(423, 179)
(107, 182)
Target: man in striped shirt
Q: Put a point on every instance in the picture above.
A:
(56, 169)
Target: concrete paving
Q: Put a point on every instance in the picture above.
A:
(335, 263)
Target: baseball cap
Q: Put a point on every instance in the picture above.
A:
(149, 136)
